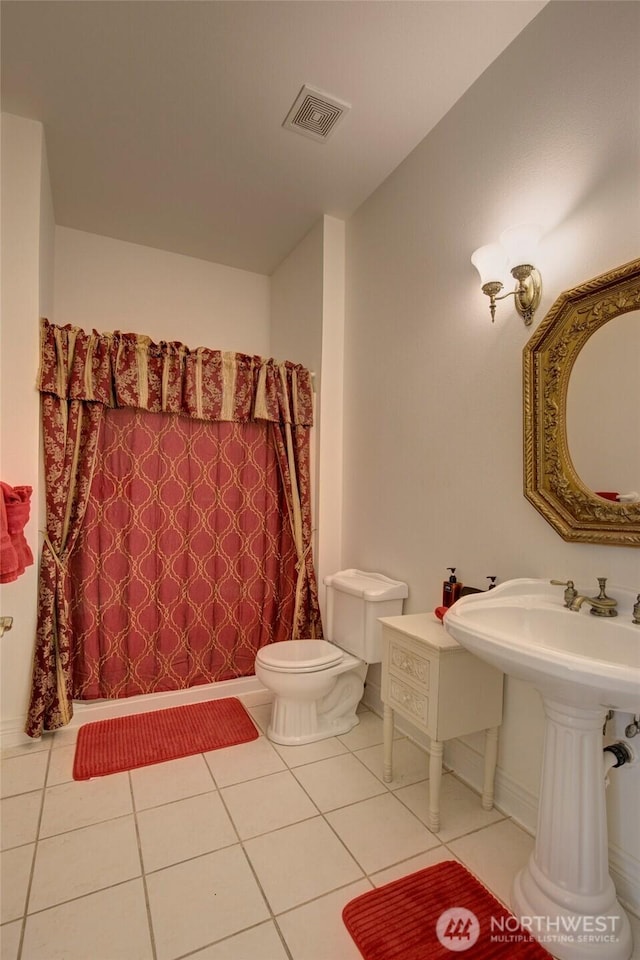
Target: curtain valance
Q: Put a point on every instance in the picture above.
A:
(129, 370)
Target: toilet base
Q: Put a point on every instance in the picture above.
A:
(314, 706)
(294, 723)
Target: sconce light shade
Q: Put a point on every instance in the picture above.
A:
(521, 244)
(491, 263)
(517, 251)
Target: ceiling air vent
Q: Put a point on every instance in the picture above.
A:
(315, 114)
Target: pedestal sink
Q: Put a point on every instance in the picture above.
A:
(582, 666)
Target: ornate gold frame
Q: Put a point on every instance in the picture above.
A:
(551, 483)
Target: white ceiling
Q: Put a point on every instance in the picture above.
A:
(163, 118)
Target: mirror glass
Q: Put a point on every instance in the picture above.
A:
(603, 408)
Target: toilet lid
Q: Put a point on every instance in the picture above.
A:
(300, 656)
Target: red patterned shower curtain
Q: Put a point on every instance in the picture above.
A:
(178, 533)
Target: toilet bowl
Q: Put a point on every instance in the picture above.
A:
(318, 684)
(313, 697)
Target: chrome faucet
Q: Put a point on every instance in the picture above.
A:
(601, 606)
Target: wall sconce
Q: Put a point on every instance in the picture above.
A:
(516, 251)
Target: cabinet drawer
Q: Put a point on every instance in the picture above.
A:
(407, 663)
(413, 704)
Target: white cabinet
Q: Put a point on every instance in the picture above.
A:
(444, 690)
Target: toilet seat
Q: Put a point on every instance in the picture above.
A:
(299, 656)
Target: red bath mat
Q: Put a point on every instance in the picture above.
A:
(123, 743)
(433, 915)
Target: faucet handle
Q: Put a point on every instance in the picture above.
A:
(570, 593)
(602, 583)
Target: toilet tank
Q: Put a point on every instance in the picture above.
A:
(355, 600)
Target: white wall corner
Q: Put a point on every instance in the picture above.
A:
(47, 238)
(331, 401)
(27, 227)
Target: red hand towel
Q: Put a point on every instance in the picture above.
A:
(15, 552)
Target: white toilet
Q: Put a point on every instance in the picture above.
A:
(316, 684)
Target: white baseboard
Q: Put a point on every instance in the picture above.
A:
(514, 800)
(625, 873)
(510, 797)
(247, 689)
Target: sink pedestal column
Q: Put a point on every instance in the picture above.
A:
(565, 895)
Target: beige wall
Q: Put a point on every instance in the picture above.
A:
(307, 326)
(433, 402)
(27, 270)
(296, 303)
(432, 391)
(112, 285)
(99, 283)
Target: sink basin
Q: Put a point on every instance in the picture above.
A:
(523, 628)
(582, 665)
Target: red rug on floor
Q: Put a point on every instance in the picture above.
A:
(123, 743)
(434, 914)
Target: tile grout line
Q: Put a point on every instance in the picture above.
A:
(367, 875)
(25, 912)
(215, 943)
(441, 844)
(390, 790)
(143, 875)
(249, 863)
(444, 846)
(81, 896)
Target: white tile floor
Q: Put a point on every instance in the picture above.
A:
(248, 853)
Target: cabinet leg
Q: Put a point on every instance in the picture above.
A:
(490, 760)
(435, 778)
(387, 738)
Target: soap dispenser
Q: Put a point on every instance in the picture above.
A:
(451, 589)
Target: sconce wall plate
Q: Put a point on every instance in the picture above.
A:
(528, 293)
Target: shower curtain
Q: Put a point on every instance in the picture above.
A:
(193, 579)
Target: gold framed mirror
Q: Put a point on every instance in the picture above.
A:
(551, 482)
